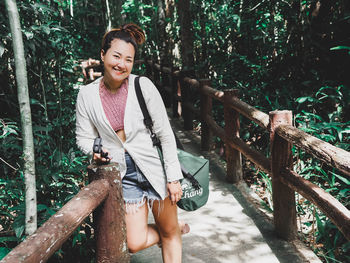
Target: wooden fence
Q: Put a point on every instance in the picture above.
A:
(103, 196)
(285, 182)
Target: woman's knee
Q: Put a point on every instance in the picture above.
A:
(170, 231)
(136, 244)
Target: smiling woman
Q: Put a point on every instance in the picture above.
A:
(118, 62)
(118, 52)
(108, 108)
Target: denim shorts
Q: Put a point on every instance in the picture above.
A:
(136, 188)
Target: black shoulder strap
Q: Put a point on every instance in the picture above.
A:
(156, 142)
(147, 118)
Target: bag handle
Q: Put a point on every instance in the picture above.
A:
(156, 142)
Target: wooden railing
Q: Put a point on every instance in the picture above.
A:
(285, 181)
(104, 196)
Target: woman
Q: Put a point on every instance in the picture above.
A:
(108, 107)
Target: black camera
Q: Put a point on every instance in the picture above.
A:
(97, 148)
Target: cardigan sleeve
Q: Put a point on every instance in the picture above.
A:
(161, 126)
(85, 131)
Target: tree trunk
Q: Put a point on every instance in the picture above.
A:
(116, 13)
(169, 42)
(108, 13)
(113, 16)
(186, 35)
(71, 10)
(26, 120)
(163, 39)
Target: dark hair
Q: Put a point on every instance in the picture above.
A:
(130, 33)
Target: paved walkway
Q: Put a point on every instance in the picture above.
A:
(228, 228)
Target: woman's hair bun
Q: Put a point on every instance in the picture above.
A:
(135, 32)
(130, 33)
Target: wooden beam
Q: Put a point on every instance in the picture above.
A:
(259, 117)
(326, 152)
(255, 156)
(39, 246)
(213, 93)
(192, 82)
(219, 131)
(329, 205)
(166, 70)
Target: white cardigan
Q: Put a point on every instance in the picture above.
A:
(92, 122)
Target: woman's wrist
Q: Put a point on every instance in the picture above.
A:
(174, 182)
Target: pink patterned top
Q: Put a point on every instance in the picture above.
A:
(114, 104)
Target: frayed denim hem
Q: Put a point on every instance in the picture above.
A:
(132, 206)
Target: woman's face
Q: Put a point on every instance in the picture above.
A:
(118, 61)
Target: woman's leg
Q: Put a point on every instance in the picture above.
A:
(140, 235)
(169, 230)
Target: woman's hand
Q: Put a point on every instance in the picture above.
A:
(97, 157)
(175, 191)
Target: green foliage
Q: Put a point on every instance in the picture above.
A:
(54, 44)
(283, 55)
(279, 54)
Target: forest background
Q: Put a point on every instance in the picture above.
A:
(280, 54)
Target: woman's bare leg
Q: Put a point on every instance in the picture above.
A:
(169, 230)
(140, 235)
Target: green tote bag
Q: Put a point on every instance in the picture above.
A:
(193, 196)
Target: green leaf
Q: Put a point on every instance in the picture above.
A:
(340, 47)
(341, 178)
(29, 35)
(46, 30)
(41, 207)
(320, 225)
(303, 99)
(19, 230)
(346, 247)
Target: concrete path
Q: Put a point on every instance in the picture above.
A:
(229, 228)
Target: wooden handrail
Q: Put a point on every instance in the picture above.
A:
(286, 135)
(322, 150)
(103, 196)
(39, 246)
(329, 205)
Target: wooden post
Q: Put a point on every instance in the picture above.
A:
(175, 84)
(109, 218)
(166, 86)
(206, 104)
(232, 125)
(283, 197)
(187, 115)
